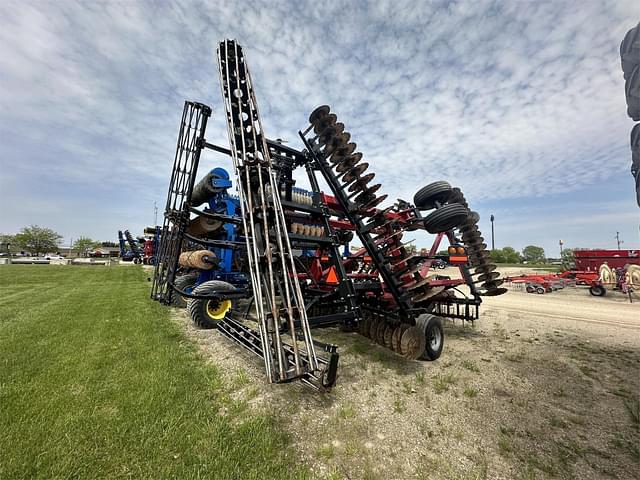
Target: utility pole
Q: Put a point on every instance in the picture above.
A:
(155, 213)
(493, 239)
(618, 240)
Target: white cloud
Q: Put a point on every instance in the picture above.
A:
(509, 100)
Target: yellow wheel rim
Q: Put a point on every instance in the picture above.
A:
(217, 310)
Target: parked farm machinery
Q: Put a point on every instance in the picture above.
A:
(266, 266)
(540, 283)
(605, 270)
(150, 243)
(624, 279)
(600, 270)
(142, 249)
(131, 254)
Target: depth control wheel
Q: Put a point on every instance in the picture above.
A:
(434, 333)
(426, 197)
(186, 284)
(445, 218)
(206, 313)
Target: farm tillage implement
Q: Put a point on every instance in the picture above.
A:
(267, 266)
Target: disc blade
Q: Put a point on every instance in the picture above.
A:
(324, 122)
(362, 182)
(397, 335)
(488, 268)
(345, 150)
(488, 277)
(413, 343)
(370, 206)
(318, 113)
(493, 284)
(355, 172)
(494, 293)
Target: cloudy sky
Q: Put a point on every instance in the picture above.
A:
(521, 104)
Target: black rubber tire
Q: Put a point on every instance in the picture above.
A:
(597, 291)
(426, 197)
(182, 282)
(434, 332)
(445, 218)
(530, 289)
(540, 290)
(318, 113)
(474, 217)
(198, 308)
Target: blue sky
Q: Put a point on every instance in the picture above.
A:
(521, 104)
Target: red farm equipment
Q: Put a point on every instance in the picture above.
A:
(266, 262)
(540, 283)
(606, 270)
(601, 270)
(589, 260)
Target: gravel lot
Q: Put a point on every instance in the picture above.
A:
(542, 386)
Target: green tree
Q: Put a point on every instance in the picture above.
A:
(37, 240)
(533, 254)
(567, 257)
(505, 255)
(84, 245)
(510, 255)
(497, 256)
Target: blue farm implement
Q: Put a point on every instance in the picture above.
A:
(131, 254)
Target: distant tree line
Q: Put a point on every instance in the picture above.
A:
(529, 254)
(33, 239)
(38, 240)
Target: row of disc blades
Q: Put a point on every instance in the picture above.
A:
(338, 149)
(404, 339)
(479, 257)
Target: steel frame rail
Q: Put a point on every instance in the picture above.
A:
(176, 215)
(272, 267)
(363, 233)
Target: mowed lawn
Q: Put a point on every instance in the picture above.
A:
(97, 382)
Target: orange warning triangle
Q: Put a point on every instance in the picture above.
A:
(332, 278)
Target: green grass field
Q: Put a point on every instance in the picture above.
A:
(97, 382)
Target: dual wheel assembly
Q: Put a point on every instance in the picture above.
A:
(452, 211)
(422, 341)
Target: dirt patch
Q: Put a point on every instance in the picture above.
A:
(541, 387)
